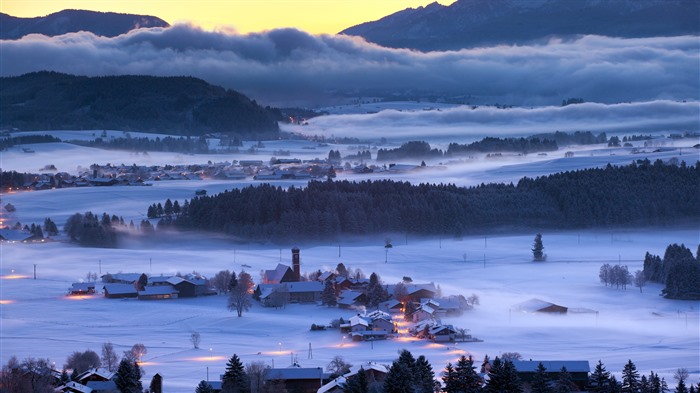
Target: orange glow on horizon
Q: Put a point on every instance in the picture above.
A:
(7, 301)
(315, 17)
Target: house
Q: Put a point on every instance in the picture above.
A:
(351, 299)
(282, 273)
(17, 236)
(375, 373)
(73, 387)
(190, 287)
(155, 292)
(298, 379)
(121, 278)
(103, 386)
(391, 306)
(304, 291)
(117, 291)
(427, 310)
(442, 333)
(325, 276)
(276, 295)
(359, 323)
(578, 369)
(82, 288)
(537, 305)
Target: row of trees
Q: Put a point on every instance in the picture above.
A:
(37, 375)
(102, 231)
(597, 197)
(416, 375)
(678, 270)
(167, 144)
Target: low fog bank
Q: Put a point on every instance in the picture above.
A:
(465, 122)
(287, 66)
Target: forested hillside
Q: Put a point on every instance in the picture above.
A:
(173, 105)
(639, 194)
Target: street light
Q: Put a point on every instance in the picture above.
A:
(211, 355)
(280, 345)
(343, 342)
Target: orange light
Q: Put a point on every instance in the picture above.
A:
(78, 297)
(433, 345)
(405, 339)
(206, 358)
(7, 301)
(147, 364)
(13, 277)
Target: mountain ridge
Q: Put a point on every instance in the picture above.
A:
(174, 105)
(474, 23)
(108, 24)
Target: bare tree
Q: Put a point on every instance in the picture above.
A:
(136, 352)
(256, 374)
(681, 374)
(221, 281)
(109, 358)
(511, 356)
(640, 280)
(338, 365)
(195, 339)
(473, 300)
(82, 361)
(240, 297)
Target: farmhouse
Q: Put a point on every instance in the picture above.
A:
(375, 373)
(298, 379)
(282, 273)
(117, 291)
(158, 292)
(537, 305)
(82, 288)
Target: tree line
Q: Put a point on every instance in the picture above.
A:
(612, 196)
(678, 270)
(167, 144)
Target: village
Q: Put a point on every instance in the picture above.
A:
(407, 311)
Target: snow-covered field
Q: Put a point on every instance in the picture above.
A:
(38, 320)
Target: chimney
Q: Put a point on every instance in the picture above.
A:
(296, 264)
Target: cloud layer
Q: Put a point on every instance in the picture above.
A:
(290, 66)
(464, 123)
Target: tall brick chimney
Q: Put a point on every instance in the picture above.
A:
(296, 264)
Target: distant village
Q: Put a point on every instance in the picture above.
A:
(139, 175)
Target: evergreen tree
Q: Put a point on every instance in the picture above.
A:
(235, 379)
(328, 295)
(614, 386)
(357, 383)
(630, 378)
(599, 380)
(424, 376)
(644, 386)
(503, 378)
(681, 388)
(128, 378)
(538, 248)
(204, 387)
(376, 293)
(467, 379)
(540, 382)
(399, 379)
(564, 383)
(449, 378)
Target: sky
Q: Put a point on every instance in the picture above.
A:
(243, 16)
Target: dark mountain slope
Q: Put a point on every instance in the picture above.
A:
(474, 23)
(108, 24)
(175, 105)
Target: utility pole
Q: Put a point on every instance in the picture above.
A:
(35, 271)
